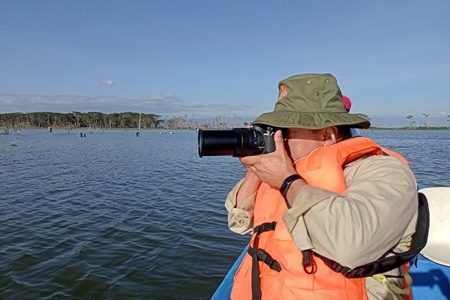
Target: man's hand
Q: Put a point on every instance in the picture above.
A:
(271, 168)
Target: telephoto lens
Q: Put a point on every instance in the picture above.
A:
(237, 142)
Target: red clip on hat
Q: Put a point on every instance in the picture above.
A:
(347, 102)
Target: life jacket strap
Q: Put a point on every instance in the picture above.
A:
(264, 227)
(257, 255)
(265, 257)
(394, 289)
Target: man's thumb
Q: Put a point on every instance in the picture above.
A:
(279, 143)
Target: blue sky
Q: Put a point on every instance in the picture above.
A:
(205, 58)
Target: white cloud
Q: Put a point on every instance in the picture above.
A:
(107, 83)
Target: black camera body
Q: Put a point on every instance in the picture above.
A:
(237, 142)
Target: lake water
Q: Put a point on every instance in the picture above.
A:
(115, 216)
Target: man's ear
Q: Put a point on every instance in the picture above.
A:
(330, 134)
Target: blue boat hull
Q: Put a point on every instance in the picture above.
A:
(430, 280)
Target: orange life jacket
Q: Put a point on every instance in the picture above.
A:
(284, 271)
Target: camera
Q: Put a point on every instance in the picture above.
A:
(237, 142)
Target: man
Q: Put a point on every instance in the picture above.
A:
(325, 209)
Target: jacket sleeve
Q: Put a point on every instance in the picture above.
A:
(357, 227)
(240, 220)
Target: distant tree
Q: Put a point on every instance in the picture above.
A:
(425, 120)
(176, 122)
(159, 123)
(219, 121)
(235, 120)
(411, 121)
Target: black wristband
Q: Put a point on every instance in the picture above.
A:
(287, 183)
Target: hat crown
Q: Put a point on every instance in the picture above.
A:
(310, 101)
(310, 93)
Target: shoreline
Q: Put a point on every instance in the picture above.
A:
(4, 129)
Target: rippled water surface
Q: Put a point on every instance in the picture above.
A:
(115, 216)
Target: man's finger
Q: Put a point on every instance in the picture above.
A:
(279, 143)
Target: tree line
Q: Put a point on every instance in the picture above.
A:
(98, 120)
(426, 121)
(78, 120)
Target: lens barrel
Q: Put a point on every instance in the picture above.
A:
(236, 142)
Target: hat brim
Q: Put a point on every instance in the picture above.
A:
(287, 119)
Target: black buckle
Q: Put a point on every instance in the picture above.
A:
(265, 257)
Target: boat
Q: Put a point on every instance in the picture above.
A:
(430, 270)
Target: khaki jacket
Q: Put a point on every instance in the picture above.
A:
(378, 210)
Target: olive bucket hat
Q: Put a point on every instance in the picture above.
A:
(310, 101)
